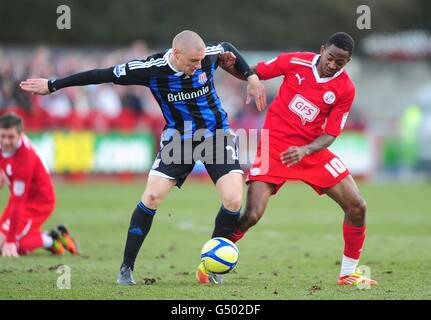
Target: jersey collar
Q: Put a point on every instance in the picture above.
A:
(316, 73)
(167, 55)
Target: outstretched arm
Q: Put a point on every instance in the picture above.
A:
(119, 74)
(45, 86)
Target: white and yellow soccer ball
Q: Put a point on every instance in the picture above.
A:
(219, 255)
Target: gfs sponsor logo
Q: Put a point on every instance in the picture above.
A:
(304, 109)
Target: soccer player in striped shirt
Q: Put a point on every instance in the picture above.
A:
(182, 81)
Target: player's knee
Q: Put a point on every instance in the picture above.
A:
(152, 199)
(253, 215)
(358, 209)
(233, 202)
(252, 219)
(361, 207)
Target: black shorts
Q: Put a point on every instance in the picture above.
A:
(177, 158)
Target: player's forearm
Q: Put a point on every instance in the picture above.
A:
(95, 76)
(14, 222)
(2, 240)
(2, 180)
(233, 71)
(242, 69)
(320, 143)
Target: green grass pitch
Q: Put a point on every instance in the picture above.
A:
(293, 253)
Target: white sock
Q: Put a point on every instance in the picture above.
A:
(348, 266)
(47, 240)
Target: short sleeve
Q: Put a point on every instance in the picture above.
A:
(275, 67)
(338, 116)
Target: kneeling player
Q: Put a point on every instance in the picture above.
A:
(32, 197)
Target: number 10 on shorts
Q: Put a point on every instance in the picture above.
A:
(335, 167)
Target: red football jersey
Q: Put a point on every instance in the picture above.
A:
(30, 185)
(306, 105)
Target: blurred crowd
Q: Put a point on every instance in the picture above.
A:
(399, 121)
(98, 107)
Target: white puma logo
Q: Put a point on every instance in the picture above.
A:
(299, 78)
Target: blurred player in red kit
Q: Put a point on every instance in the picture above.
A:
(32, 197)
(308, 113)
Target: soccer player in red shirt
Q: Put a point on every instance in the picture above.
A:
(32, 197)
(308, 113)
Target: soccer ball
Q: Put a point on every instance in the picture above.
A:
(219, 255)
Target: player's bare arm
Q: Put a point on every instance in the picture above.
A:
(254, 88)
(2, 179)
(240, 69)
(2, 238)
(294, 154)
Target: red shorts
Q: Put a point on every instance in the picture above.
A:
(31, 220)
(320, 170)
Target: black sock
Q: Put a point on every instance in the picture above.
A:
(225, 222)
(140, 225)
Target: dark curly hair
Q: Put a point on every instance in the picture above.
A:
(343, 41)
